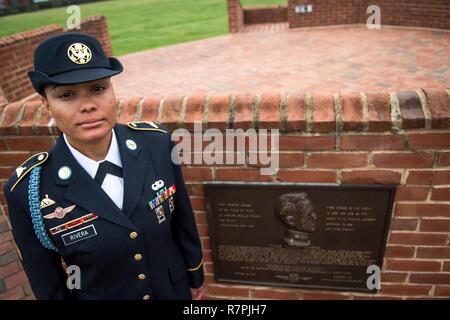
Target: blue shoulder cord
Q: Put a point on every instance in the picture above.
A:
(35, 209)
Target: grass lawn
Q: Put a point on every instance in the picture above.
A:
(136, 25)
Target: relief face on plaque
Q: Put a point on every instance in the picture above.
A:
(286, 234)
(296, 212)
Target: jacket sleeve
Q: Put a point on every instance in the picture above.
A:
(42, 266)
(184, 230)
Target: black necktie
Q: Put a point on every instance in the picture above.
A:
(107, 167)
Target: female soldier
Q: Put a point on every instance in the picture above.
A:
(107, 199)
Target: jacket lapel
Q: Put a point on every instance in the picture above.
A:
(136, 170)
(82, 190)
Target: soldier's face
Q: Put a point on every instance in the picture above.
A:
(85, 112)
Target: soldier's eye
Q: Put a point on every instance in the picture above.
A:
(99, 88)
(65, 95)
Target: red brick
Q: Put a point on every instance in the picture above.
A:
(352, 112)
(389, 276)
(194, 111)
(337, 160)
(422, 177)
(206, 243)
(198, 203)
(307, 176)
(5, 237)
(403, 224)
(9, 270)
(203, 230)
(411, 109)
(442, 291)
(129, 109)
(2, 145)
(444, 159)
(371, 176)
(243, 113)
(195, 189)
(433, 253)
(441, 177)
(431, 278)
(439, 104)
(292, 160)
(218, 111)
(296, 112)
(15, 280)
(27, 124)
(5, 173)
(408, 193)
(324, 296)
(403, 160)
(435, 225)
(197, 174)
(224, 291)
(200, 217)
(429, 140)
(297, 143)
(269, 111)
(406, 290)
(13, 158)
(5, 247)
(446, 266)
(371, 142)
(399, 252)
(440, 194)
(377, 297)
(14, 294)
(412, 265)
(240, 174)
(379, 111)
(323, 113)
(29, 143)
(171, 112)
(410, 238)
(10, 118)
(273, 295)
(150, 109)
(422, 210)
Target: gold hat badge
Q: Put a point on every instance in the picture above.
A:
(79, 53)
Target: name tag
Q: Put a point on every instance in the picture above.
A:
(79, 235)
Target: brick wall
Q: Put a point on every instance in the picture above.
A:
(417, 13)
(16, 55)
(266, 14)
(235, 16)
(347, 138)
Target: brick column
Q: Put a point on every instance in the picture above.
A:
(235, 16)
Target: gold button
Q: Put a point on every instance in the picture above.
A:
(141, 276)
(133, 235)
(137, 256)
(146, 297)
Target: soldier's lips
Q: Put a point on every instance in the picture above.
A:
(91, 123)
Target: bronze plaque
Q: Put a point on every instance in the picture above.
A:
(300, 235)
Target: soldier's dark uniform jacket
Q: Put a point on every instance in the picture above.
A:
(148, 250)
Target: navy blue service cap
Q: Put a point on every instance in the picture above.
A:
(71, 58)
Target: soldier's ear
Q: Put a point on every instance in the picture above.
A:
(44, 101)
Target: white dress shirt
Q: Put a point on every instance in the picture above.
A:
(112, 185)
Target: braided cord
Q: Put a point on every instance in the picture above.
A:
(36, 217)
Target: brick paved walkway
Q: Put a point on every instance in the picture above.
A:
(327, 59)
